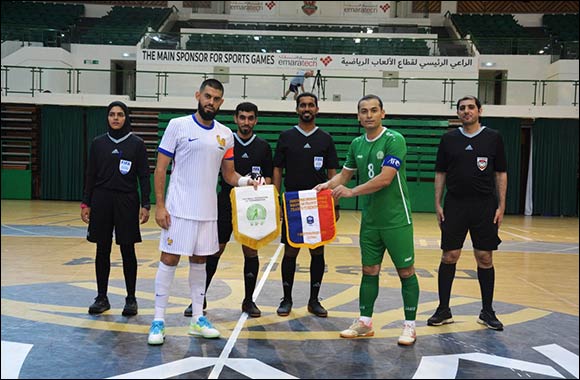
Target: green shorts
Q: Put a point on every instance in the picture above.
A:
(398, 241)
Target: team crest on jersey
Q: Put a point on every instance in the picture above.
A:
(318, 161)
(380, 155)
(124, 166)
(221, 141)
(481, 163)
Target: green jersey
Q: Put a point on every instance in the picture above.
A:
(389, 207)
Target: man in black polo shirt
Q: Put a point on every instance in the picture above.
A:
(471, 161)
(308, 156)
(252, 157)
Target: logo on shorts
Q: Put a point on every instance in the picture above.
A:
(169, 241)
(481, 163)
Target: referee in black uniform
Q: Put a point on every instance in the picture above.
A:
(252, 157)
(471, 162)
(117, 160)
(308, 157)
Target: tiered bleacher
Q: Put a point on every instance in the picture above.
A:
(564, 27)
(314, 28)
(563, 31)
(499, 34)
(40, 22)
(314, 45)
(123, 25)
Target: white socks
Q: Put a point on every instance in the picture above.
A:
(197, 278)
(163, 280)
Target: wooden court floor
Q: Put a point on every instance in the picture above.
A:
(48, 282)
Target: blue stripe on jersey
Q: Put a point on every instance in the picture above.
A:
(392, 161)
(165, 152)
(201, 125)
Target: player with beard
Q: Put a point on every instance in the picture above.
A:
(253, 157)
(308, 157)
(199, 147)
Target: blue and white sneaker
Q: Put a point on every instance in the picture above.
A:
(156, 333)
(203, 328)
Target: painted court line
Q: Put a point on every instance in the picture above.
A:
(219, 365)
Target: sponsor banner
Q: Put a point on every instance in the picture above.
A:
(253, 8)
(310, 219)
(366, 9)
(308, 61)
(255, 215)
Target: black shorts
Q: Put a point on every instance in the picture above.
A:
(294, 87)
(225, 226)
(112, 210)
(474, 214)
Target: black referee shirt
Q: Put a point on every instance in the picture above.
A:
(116, 166)
(250, 156)
(471, 161)
(305, 158)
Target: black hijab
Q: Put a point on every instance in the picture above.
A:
(126, 129)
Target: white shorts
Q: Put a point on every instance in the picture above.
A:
(188, 237)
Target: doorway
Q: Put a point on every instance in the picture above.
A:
(492, 87)
(123, 78)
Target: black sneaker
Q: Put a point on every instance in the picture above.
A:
(489, 319)
(441, 317)
(248, 306)
(317, 309)
(284, 308)
(130, 307)
(188, 312)
(100, 305)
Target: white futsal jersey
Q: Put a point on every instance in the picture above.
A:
(197, 152)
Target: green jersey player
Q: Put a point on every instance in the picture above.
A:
(378, 157)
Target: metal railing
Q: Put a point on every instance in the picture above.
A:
(156, 85)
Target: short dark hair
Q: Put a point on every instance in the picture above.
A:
(468, 97)
(306, 94)
(247, 107)
(213, 83)
(369, 97)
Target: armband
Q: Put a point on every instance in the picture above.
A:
(84, 205)
(243, 181)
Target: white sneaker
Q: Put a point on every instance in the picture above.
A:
(156, 333)
(203, 328)
(408, 336)
(358, 329)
